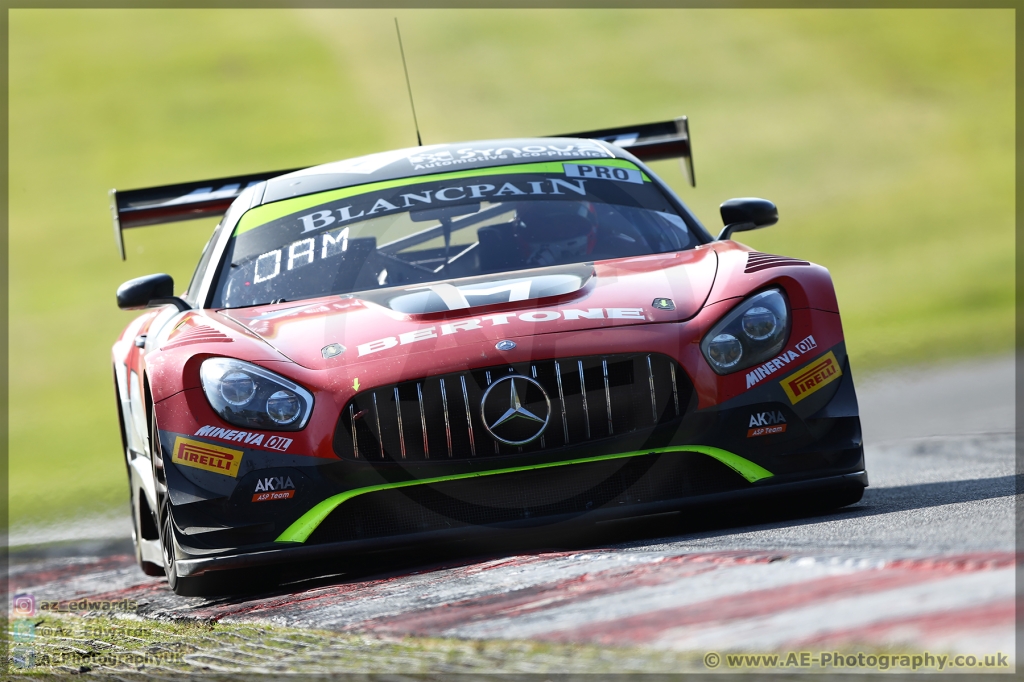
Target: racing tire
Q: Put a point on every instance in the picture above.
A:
(148, 567)
(197, 586)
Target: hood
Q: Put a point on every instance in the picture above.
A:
(331, 331)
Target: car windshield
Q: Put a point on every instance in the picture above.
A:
(439, 227)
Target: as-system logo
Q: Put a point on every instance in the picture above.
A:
(274, 488)
(279, 443)
(812, 378)
(799, 348)
(766, 424)
(469, 155)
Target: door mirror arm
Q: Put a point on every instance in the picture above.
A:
(727, 231)
(172, 300)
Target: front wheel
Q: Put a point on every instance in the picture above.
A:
(165, 523)
(139, 524)
(206, 585)
(197, 586)
(167, 541)
(185, 586)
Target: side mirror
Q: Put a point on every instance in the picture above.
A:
(740, 215)
(148, 292)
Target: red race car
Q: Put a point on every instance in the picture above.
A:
(457, 340)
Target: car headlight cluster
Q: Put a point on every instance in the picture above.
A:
(752, 332)
(246, 395)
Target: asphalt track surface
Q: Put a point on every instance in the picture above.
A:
(925, 562)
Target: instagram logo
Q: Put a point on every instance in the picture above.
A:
(24, 605)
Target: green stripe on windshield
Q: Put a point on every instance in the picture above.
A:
(261, 215)
(308, 522)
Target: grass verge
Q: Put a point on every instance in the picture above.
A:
(134, 648)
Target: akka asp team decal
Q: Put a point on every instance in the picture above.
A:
(279, 443)
(815, 376)
(766, 424)
(800, 348)
(199, 455)
(274, 488)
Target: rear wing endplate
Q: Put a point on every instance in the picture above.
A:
(171, 203)
(651, 141)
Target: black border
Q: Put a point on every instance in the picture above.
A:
(512, 4)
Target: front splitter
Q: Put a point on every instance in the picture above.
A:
(298, 552)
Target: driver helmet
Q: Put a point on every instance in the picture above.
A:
(552, 232)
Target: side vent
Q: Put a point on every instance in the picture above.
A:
(198, 334)
(762, 261)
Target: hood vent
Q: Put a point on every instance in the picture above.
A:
(198, 334)
(757, 261)
(484, 290)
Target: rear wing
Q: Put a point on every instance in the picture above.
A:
(210, 198)
(651, 141)
(171, 203)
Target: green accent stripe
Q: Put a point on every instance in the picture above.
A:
(308, 522)
(261, 215)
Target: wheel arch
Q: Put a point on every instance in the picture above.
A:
(118, 392)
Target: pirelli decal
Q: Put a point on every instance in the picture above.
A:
(812, 377)
(199, 455)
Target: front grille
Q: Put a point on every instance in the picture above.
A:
(528, 495)
(440, 417)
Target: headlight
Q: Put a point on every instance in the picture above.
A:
(752, 332)
(252, 397)
(725, 350)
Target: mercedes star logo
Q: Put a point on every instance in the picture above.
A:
(523, 418)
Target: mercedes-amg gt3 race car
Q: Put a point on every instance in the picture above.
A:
(452, 341)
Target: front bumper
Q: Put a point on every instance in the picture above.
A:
(292, 553)
(705, 458)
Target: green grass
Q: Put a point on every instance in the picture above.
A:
(885, 137)
(131, 649)
(105, 644)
